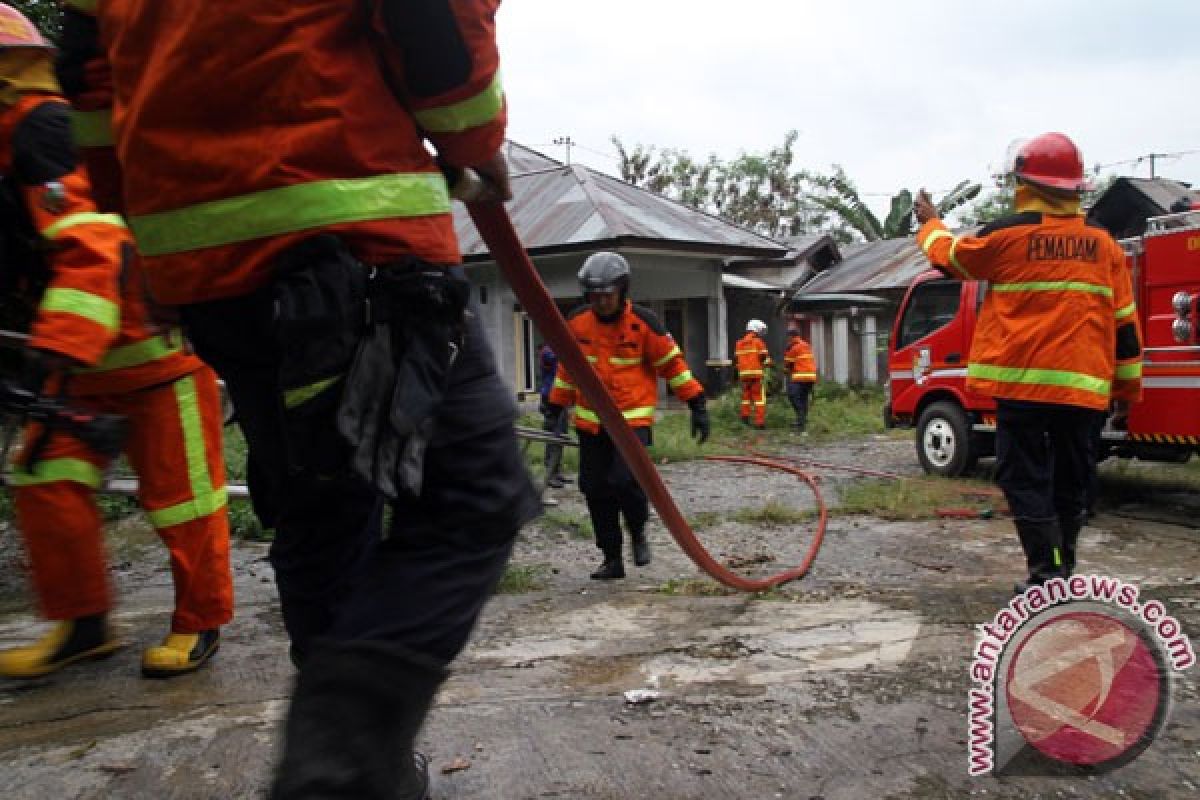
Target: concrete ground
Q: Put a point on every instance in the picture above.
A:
(850, 683)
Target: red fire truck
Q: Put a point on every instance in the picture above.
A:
(931, 341)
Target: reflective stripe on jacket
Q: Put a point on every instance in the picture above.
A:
(799, 361)
(1058, 322)
(751, 355)
(629, 354)
(323, 129)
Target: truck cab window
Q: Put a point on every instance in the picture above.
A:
(933, 305)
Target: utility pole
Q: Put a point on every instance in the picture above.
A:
(567, 142)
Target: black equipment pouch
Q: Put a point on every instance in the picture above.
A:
(319, 299)
(416, 329)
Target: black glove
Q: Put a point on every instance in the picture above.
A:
(552, 414)
(701, 427)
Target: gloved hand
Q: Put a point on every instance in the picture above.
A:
(552, 415)
(701, 427)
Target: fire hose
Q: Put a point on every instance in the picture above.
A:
(495, 226)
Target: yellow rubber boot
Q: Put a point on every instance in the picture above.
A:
(180, 653)
(67, 642)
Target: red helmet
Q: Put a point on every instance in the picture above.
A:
(1051, 160)
(17, 31)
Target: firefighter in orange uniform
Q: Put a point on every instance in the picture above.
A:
(752, 359)
(298, 218)
(801, 368)
(90, 336)
(630, 349)
(1057, 342)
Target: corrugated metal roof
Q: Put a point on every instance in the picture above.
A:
(557, 206)
(885, 264)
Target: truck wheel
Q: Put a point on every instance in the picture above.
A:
(944, 441)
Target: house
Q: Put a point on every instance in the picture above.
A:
(849, 308)
(1127, 203)
(565, 212)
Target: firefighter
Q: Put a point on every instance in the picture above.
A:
(1057, 341)
(630, 349)
(90, 338)
(301, 224)
(801, 368)
(752, 360)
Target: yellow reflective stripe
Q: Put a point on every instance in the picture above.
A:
(674, 351)
(681, 379)
(642, 412)
(134, 355)
(52, 470)
(561, 384)
(624, 362)
(593, 359)
(954, 258)
(798, 376)
(750, 372)
(291, 208)
(302, 394)
(104, 313)
(82, 218)
(83, 5)
(933, 237)
(205, 499)
(92, 128)
(746, 352)
(1127, 311)
(196, 508)
(1126, 372)
(1040, 377)
(470, 113)
(1053, 286)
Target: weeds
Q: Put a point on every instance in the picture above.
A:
(909, 498)
(519, 579)
(577, 526)
(694, 587)
(771, 515)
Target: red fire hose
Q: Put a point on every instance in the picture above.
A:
(494, 225)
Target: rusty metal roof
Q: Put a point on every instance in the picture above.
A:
(560, 208)
(884, 264)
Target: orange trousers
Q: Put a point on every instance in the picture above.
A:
(175, 448)
(754, 399)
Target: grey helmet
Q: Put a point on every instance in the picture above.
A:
(605, 270)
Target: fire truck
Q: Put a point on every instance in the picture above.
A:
(931, 341)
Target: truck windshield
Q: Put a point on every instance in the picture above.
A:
(931, 306)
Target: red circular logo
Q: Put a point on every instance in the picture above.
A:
(1085, 688)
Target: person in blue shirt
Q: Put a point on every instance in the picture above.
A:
(553, 423)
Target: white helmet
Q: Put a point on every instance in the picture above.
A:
(757, 326)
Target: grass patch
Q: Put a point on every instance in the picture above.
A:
(911, 498)
(771, 515)
(705, 519)
(519, 579)
(694, 587)
(577, 526)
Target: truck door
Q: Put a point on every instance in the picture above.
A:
(929, 342)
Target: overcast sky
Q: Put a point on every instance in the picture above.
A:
(900, 94)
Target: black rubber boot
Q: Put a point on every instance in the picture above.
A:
(641, 549)
(1071, 526)
(353, 720)
(1040, 540)
(612, 568)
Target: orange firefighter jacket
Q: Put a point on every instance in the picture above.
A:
(799, 361)
(323, 129)
(629, 354)
(90, 310)
(751, 356)
(1058, 324)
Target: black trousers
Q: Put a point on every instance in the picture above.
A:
(610, 490)
(420, 586)
(799, 395)
(1044, 459)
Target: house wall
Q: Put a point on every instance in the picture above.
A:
(687, 287)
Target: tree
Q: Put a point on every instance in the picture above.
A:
(45, 14)
(759, 191)
(838, 194)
